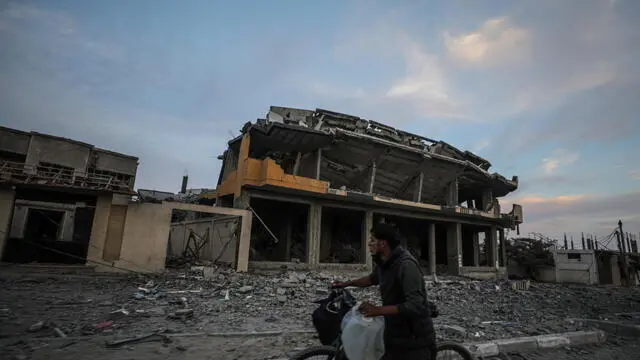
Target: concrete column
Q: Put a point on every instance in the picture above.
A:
(478, 204)
(242, 201)
(99, 228)
(452, 193)
(326, 235)
(318, 163)
(244, 242)
(366, 229)
(492, 247)
(313, 234)
(7, 201)
(454, 248)
(503, 247)
(487, 197)
(372, 177)
(432, 248)
(476, 249)
(417, 194)
(288, 238)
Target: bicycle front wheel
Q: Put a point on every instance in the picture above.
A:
(316, 353)
(453, 351)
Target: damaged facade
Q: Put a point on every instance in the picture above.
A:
(63, 201)
(318, 180)
(51, 190)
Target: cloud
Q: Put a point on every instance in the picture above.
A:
(573, 214)
(556, 200)
(560, 157)
(496, 42)
(406, 80)
(532, 59)
(425, 85)
(54, 30)
(482, 144)
(48, 106)
(634, 174)
(570, 80)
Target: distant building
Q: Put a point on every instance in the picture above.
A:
(589, 266)
(318, 180)
(49, 190)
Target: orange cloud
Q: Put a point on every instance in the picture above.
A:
(559, 200)
(540, 200)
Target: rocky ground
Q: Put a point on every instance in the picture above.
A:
(35, 303)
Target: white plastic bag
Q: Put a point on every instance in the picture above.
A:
(362, 338)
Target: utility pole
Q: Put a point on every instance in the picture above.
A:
(565, 242)
(572, 242)
(595, 240)
(583, 247)
(625, 264)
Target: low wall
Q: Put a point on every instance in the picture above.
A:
(484, 272)
(145, 236)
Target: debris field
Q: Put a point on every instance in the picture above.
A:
(218, 301)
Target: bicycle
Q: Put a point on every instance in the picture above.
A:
(341, 300)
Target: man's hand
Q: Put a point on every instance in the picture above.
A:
(339, 285)
(370, 310)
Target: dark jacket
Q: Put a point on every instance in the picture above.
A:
(402, 284)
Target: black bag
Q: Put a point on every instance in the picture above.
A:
(327, 318)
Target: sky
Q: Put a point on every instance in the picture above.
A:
(546, 90)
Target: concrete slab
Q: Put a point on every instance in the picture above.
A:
(507, 346)
(579, 338)
(532, 343)
(488, 349)
(552, 341)
(610, 327)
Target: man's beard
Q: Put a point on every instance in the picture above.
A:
(377, 258)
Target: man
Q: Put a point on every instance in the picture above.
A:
(408, 332)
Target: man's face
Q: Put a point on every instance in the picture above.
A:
(376, 245)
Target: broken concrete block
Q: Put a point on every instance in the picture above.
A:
(182, 314)
(37, 326)
(208, 272)
(120, 313)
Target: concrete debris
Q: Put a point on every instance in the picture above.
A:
(59, 333)
(37, 326)
(181, 314)
(118, 314)
(245, 289)
(148, 337)
(282, 301)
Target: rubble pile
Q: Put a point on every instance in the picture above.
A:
(219, 300)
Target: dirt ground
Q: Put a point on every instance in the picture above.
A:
(191, 348)
(93, 308)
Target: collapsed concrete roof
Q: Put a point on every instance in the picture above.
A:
(350, 144)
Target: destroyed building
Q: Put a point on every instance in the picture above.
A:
(57, 194)
(318, 180)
